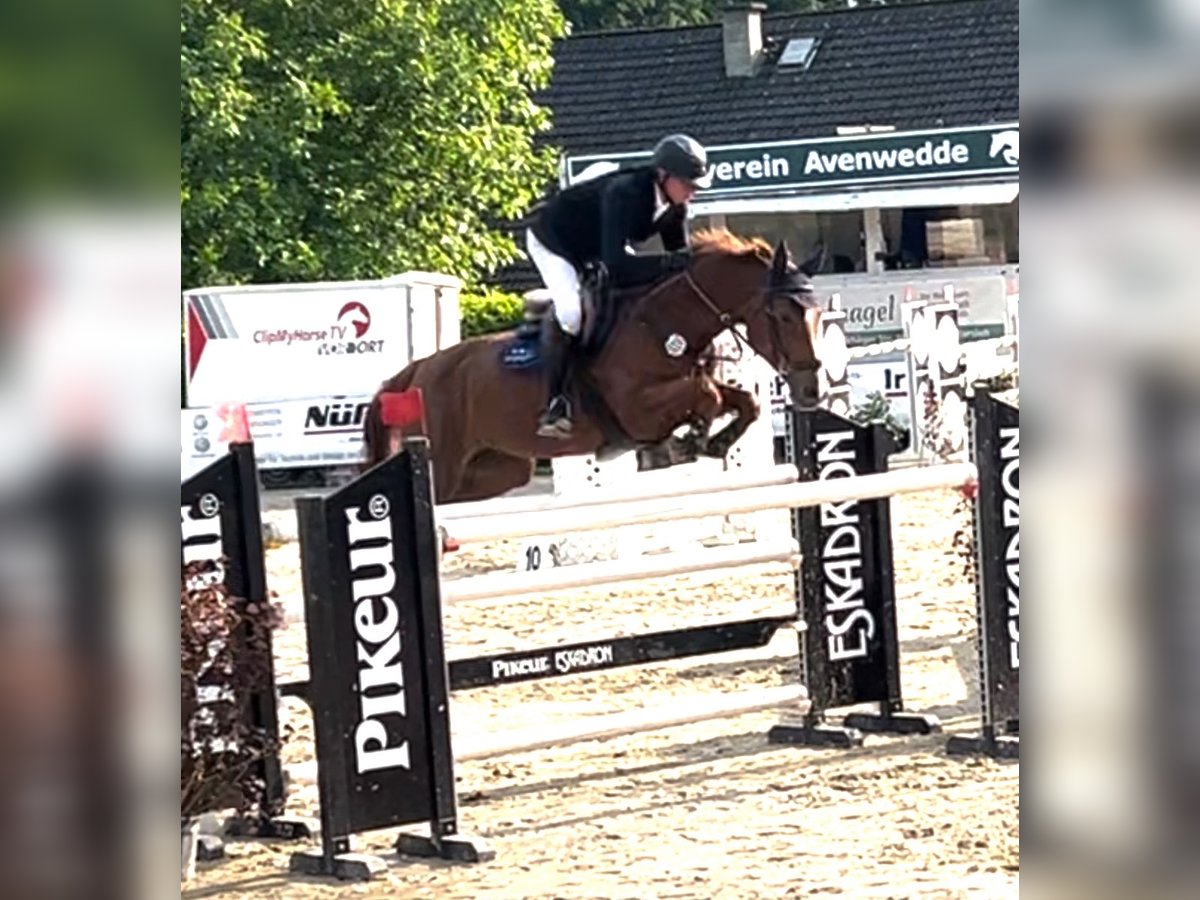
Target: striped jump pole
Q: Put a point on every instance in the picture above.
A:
(746, 500)
(518, 584)
(649, 489)
(792, 698)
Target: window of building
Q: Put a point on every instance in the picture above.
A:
(951, 236)
(839, 233)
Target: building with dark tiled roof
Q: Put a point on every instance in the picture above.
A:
(885, 135)
(915, 66)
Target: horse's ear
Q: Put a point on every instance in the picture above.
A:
(816, 259)
(779, 261)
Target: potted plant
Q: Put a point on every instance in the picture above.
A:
(223, 662)
(876, 409)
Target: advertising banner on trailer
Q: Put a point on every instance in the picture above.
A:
(304, 359)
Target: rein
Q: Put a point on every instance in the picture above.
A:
(726, 319)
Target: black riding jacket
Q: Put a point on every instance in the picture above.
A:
(595, 220)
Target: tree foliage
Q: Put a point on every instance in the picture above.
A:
(596, 15)
(331, 140)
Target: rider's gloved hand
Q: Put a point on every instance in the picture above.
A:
(675, 262)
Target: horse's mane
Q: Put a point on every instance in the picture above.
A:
(719, 240)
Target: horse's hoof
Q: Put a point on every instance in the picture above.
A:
(608, 453)
(715, 451)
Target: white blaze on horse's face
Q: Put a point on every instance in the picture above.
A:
(812, 321)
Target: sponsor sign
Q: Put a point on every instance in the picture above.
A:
(303, 359)
(270, 343)
(377, 679)
(997, 437)
(986, 302)
(220, 527)
(318, 431)
(888, 377)
(847, 579)
(898, 158)
(872, 303)
(559, 662)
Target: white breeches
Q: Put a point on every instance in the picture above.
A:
(561, 280)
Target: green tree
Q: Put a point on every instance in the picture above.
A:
(323, 139)
(598, 15)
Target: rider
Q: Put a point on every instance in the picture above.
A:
(596, 221)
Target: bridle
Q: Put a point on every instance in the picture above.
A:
(727, 320)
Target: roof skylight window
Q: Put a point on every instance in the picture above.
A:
(799, 52)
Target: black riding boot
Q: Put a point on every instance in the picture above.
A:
(558, 357)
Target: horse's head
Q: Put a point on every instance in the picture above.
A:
(783, 327)
(778, 305)
(775, 299)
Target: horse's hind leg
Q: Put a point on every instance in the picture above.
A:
(449, 464)
(744, 406)
(490, 473)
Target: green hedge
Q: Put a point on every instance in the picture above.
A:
(490, 311)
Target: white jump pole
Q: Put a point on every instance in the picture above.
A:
(632, 722)
(512, 584)
(785, 496)
(668, 487)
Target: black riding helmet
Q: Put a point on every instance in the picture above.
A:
(683, 157)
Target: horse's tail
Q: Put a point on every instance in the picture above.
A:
(375, 433)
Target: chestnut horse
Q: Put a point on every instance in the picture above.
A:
(647, 380)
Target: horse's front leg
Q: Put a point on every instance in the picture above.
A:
(695, 402)
(745, 409)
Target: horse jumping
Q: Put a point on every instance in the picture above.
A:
(647, 380)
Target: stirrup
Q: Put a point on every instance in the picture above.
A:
(555, 421)
(559, 428)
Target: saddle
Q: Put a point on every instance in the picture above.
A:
(600, 307)
(600, 314)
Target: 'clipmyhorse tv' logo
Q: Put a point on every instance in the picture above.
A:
(360, 322)
(352, 315)
(343, 337)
